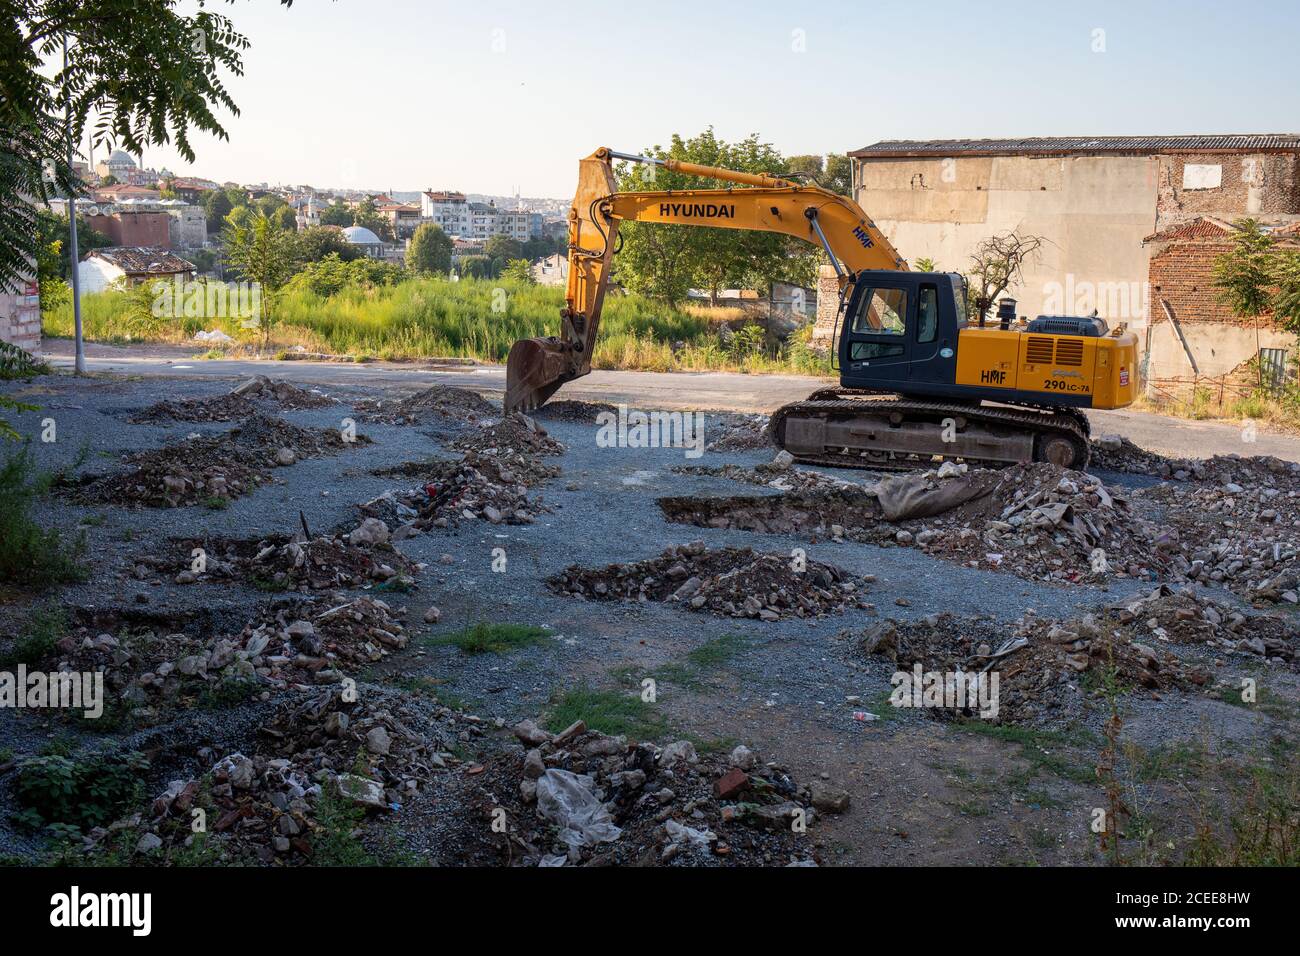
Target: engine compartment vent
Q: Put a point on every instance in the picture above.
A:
(1038, 350)
(1089, 325)
(1069, 352)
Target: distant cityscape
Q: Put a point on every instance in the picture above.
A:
(142, 208)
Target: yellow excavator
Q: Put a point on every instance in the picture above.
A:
(918, 377)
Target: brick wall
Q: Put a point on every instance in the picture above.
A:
(20, 318)
(1263, 185)
(1183, 273)
(828, 301)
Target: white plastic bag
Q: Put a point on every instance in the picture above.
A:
(569, 800)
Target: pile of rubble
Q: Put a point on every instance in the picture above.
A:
(376, 752)
(1117, 453)
(283, 442)
(236, 404)
(847, 512)
(1046, 671)
(210, 469)
(363, 557)
(440, 402)
(779, 474)
(479, 487)
(741, 433)
(1190, 618)
(583, 798)
(1038, 521)
(150, 668)
(583, 413)
(733, 582)
(514, 436)
(1239, 526)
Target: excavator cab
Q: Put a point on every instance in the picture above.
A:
(899, 330)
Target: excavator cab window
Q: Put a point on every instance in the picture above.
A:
(882, 312)
(927, 314)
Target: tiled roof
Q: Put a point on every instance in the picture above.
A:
(1057, 145)
(139, 260)
(1207, 228)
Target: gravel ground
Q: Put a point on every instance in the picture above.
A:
(787, 688)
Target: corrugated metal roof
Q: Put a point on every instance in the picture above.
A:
(1050, 145)
(136, 260)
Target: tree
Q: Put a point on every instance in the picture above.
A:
(262, 251)
(367, 216)
(1245, 275)
(834, 173)
(503, 247)
(429, 251)
(149, 73)
(476, 267)
(337, 214)
(217, 206)
(996, 264)
(518, 270)
(317, 242)
(665, 260)
(1286, 301)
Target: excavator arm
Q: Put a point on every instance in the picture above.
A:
(537, 367)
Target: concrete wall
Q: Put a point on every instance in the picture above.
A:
(1094, 210)
(1219, 349)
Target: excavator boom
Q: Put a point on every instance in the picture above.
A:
(537, 367)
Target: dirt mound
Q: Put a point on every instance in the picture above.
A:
(741, 433)
(273, 436)
(1185, 617)
(220, 408)
(480, 486)
(580, 798)
(234, 405)
(279, 562)
(212, 470)
(437, 402)
(285, 394)
(513, 436)
(732, 582)
(846, 512)
(285, 803)
(782, 478)
(1047, 671)
(583, 413)
(1116, 453)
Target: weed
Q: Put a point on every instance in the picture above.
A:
(30, 554)
(609, 712)
(494, 638)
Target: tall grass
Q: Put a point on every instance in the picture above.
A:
(473, 318)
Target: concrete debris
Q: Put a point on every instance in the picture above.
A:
(732, 582)
(236, 404)
(439, 403)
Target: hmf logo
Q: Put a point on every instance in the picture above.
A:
(861, 235)
(993, 376)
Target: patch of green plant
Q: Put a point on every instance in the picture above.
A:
(37, 641)
(16, 362)
(1045, 750)
(227, 692)
(609, 712)
(31, 555)
(216, 502)
(336, 842)
(485, 638)
(80, 792)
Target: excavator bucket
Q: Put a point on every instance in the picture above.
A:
(535, 368)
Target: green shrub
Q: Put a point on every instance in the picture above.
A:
(93, 792)
(29, 554)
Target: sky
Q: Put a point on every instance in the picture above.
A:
(497, 97)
